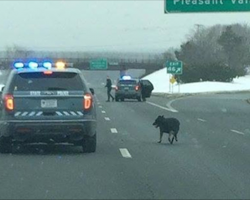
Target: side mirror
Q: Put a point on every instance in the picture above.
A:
(92, 91)
(1, 91)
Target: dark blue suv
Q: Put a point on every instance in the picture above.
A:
(48, 106)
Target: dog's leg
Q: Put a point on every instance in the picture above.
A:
(172, 140)
(161, 133)
(173, 136)
(169, 137)
(176, 137)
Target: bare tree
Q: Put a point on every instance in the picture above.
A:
(17, 52)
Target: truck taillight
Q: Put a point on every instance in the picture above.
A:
(137, 87)
(9, 102)
(87, 102)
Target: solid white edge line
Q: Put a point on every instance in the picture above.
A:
(107, 118)
(235, 131)
(169, 104)
(125, 153)
(202, 120)
(113, 130)
(164, 108)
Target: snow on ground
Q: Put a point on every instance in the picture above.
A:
(160, 80)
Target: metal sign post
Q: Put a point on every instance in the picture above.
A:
(169, 84)
(174, 68)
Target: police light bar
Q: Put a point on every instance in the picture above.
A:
(44, 64)
(126, 77)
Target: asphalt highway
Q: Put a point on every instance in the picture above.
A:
(210, 161)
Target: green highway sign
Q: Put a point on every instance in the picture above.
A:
(174, 67)
(189, 6)
(99, 64)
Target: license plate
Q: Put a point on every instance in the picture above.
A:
(126, 88)
(49, 103)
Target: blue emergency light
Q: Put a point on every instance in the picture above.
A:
(18, 65)
(126, 77)
(47, 65)
(33, 65)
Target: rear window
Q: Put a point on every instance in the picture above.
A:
(127, 82)
(42, 82)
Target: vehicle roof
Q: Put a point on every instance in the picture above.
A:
(28, 70)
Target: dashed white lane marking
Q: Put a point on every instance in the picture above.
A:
(107, 118)
(113, 130)
(103, 111)
(235, 131)
(202, 120)
(164, 108)
(125, 153)
(100, 106)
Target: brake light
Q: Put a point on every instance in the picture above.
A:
(48, 72)
(116, 88)
(9, 102)
(137, 87)
(87, 102)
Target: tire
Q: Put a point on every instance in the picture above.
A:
(122, 99)
(116, 99)
(89, 144)
(139, 98)
(5, 145)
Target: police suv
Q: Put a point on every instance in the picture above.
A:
(40, 103)
(129, 88)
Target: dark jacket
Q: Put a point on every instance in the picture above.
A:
(108, 84)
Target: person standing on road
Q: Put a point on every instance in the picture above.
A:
(109, 88)
(143, 91)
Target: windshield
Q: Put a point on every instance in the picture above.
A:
(125, 99)
(43, 82)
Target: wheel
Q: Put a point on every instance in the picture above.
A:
(5, 145)
(122, 99)
(116, 99)
(139, 98)
(89, 144)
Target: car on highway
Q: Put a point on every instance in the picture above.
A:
(130, 88)
(49, 105)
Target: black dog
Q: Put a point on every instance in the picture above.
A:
(167, 125)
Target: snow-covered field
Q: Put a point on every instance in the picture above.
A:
(160, 80)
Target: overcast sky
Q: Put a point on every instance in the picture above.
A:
(100, 25)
